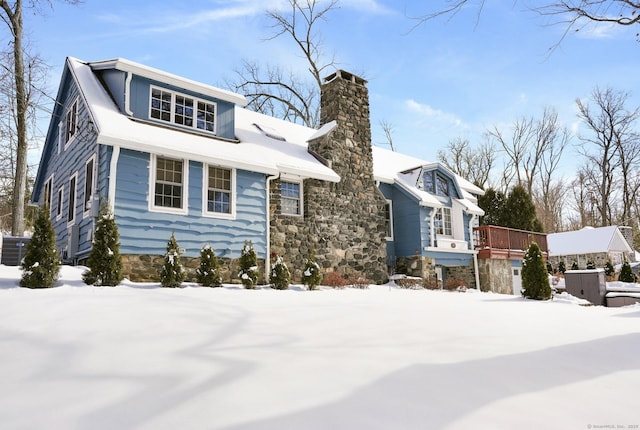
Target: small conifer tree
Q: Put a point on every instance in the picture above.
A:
(626, 274)
(172, 272)
(549, 268)
(104, 262)
(591, 264)
(535, 279)
(311, 275)
(561, 267)
(208, 273)
(41, 264)
(248, 266)
(280, 276)
(609, 269)
(574, 266)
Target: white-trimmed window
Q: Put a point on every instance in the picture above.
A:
(168, 184)
(443, 222)
(47, 198)
(71, 122)
(388, 219)
(219, 198)
(291, 197)
(60, 202)
(183, 110)
(71, 212)
(89, 184)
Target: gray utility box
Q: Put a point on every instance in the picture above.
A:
(587, 284)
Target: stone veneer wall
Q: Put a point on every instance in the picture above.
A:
(343, 222)
(146, 268)
(422, 267)
(463, 272)
(495, 275)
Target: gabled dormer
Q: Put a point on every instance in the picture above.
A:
(438, 181)
(150, 95)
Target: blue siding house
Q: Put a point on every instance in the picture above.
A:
(171, 155)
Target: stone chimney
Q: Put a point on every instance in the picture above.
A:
(344, 222)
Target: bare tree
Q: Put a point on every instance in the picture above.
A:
(474, 164)
(609, 143)
(286, 95)
(11, 14)
(572, 13)
(387, 128)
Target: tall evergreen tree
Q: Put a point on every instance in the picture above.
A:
(208, 273)
(248, 266)
(172, 272)
(519, 210)
(41, 264)
(535, 279)
(104, 262)
(492, 203)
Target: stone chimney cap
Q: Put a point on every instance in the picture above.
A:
(347, 76)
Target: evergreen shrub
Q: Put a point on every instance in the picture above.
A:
(311, 274)
(626, 274)
(280, 275)
(248, 266)
(208, 272)
(535, 279)
(172, 272)
(41, 263)
(104, 262)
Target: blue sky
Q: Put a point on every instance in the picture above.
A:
(452, 77)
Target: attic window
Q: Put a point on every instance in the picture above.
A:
(270, 132)
(182, 110)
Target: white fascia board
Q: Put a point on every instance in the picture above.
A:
(169, 78)
(324, 175)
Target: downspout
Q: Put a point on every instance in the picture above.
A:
(475, 253)
(113, 171)
(267, 257)
(127, 94)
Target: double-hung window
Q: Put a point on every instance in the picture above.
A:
(388, 219)
(89, 184)
(219, 184)
(71, 213)
(291, 197)
(182, 110)
(443, 222)
(60, 202)
(168, 184)
(47, 192)
(71, 122)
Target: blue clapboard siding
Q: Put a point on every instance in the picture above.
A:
(406, 223)
(144, 232)
(449, 258)
(115, 83)
(63, 164)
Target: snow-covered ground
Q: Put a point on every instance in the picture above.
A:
(139, 356)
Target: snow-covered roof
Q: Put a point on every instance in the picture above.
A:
(160, 75)
(256, 150)
(588, 240)
(394, 168)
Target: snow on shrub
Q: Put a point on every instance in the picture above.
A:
(311, 274)
(626, 274)
(172, 272)
(104, 262)
(455, 284)
(248, 266)
(208, 273)
(280, 276)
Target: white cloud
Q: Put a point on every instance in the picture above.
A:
(433, 116)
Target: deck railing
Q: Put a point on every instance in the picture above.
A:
(500, 242)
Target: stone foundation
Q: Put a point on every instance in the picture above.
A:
(146, 268)
(496, 275)
(463, 272)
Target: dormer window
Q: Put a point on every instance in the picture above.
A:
(182, 110)
(434, 183)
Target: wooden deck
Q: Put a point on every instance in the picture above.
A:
(506, 243)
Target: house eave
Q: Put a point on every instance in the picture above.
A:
(168, 78)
